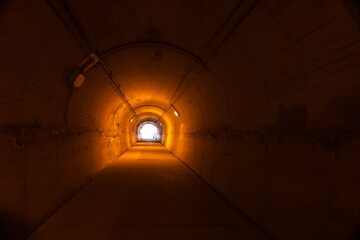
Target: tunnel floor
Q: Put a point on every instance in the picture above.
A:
(147, 194)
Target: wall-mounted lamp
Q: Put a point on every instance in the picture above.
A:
(132, 119)
(176, 112)
(77, 79)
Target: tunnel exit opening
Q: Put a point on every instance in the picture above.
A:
(149, 131)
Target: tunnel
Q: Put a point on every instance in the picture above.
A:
(256, 102)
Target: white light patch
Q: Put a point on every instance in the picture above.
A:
(148, 132)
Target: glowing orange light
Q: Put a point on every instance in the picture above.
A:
(132, 119)
(176, 112)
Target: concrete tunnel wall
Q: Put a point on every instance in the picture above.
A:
(267, 91)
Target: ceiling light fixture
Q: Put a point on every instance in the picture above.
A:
(78, 76)
(132, 119)
(77, 79)
(176, 112)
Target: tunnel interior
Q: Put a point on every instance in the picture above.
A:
(259, 98)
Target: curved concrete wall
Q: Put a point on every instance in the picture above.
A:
(267, 91)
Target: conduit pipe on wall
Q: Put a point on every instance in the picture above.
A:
(240, 12)
(79, 36)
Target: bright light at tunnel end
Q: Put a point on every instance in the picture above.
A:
(149, 132)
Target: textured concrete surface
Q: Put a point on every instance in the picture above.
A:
(268, 93)
(147, 194)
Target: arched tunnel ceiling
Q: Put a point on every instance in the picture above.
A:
(187, 24)
(219, 52)
(149, 75)
(267, 90)
(154, 109)
(154, 64)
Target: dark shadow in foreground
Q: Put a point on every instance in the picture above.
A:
(12, 227)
